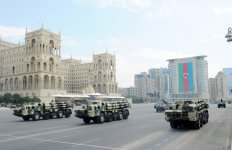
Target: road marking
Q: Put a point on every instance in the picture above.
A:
(39, 129)
(34, 135)
(69, 143)
(89, 141)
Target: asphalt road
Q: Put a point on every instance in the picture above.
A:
(144, 130)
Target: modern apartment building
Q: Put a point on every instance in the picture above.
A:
(161, 79)
(188, 78)
(228, 73)
(145, 86)
(221, 86)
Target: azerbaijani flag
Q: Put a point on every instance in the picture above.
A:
(185, 71)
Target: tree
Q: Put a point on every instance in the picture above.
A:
(35, 99)
(7, 98)
(17, 98)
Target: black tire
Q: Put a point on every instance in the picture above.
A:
(173, 125)
(197, 124)
(120, 116)
(68, 114)
(201, 121)
(59, 114)
(26, 118)
(100, 118)
(109, 117)
(46, 116)
(86, 120)
(115, 116)
(125, 114)
(36, 116)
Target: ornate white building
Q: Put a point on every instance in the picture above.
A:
(36, 68)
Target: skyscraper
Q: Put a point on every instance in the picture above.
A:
(161, 79)
(188, 78)
(228, 73)
(221, 86)
(212, 89)
(145, 86)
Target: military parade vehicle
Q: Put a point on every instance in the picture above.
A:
(187, 112)
(100, 108)
(43, 110)
(162, 105)
(221, 103)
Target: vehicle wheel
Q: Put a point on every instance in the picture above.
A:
(86, 120)
(36, 116)
(115, 116)
(60, 114)
(173, 125)
(100, 118)
(125, 114)
(26, 118)
(110, 117)
(120, 117)
(201, 121)
(197, 124)
(46, 116)
(68, 114)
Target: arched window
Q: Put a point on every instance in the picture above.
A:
(99, 64)
(13, 69)
(33, 64)
(51, 64)
(45, 66)
(51, 46)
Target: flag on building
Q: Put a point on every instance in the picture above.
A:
(185, 71)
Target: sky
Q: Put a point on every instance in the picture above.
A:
(142, 34)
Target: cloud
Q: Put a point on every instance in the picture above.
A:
(9, 31)
(110, 41)
(164, 10)
(68, 41)
(131, 5)
(222, 11)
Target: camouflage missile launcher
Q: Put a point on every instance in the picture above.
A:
(101, 111)
(43, 110)
(189, 112)
(162, 105)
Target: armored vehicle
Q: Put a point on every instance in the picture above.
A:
(187, 112)
(221, 103)
(43, 110)
(162, 106)
(104, 108)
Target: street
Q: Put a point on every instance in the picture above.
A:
(144, 130)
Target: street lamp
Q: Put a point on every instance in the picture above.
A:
(229, 35)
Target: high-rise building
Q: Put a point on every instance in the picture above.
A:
(221, 86)
(161, 79)
(145, 86)
(228, 73)
(212, 89)
(36, 69)
(188, 78)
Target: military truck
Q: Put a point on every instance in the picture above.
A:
(162, 105)
(102, 108)
(188, 112)
(221, 103)
(43, 110)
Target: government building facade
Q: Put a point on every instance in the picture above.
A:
(36, 69)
